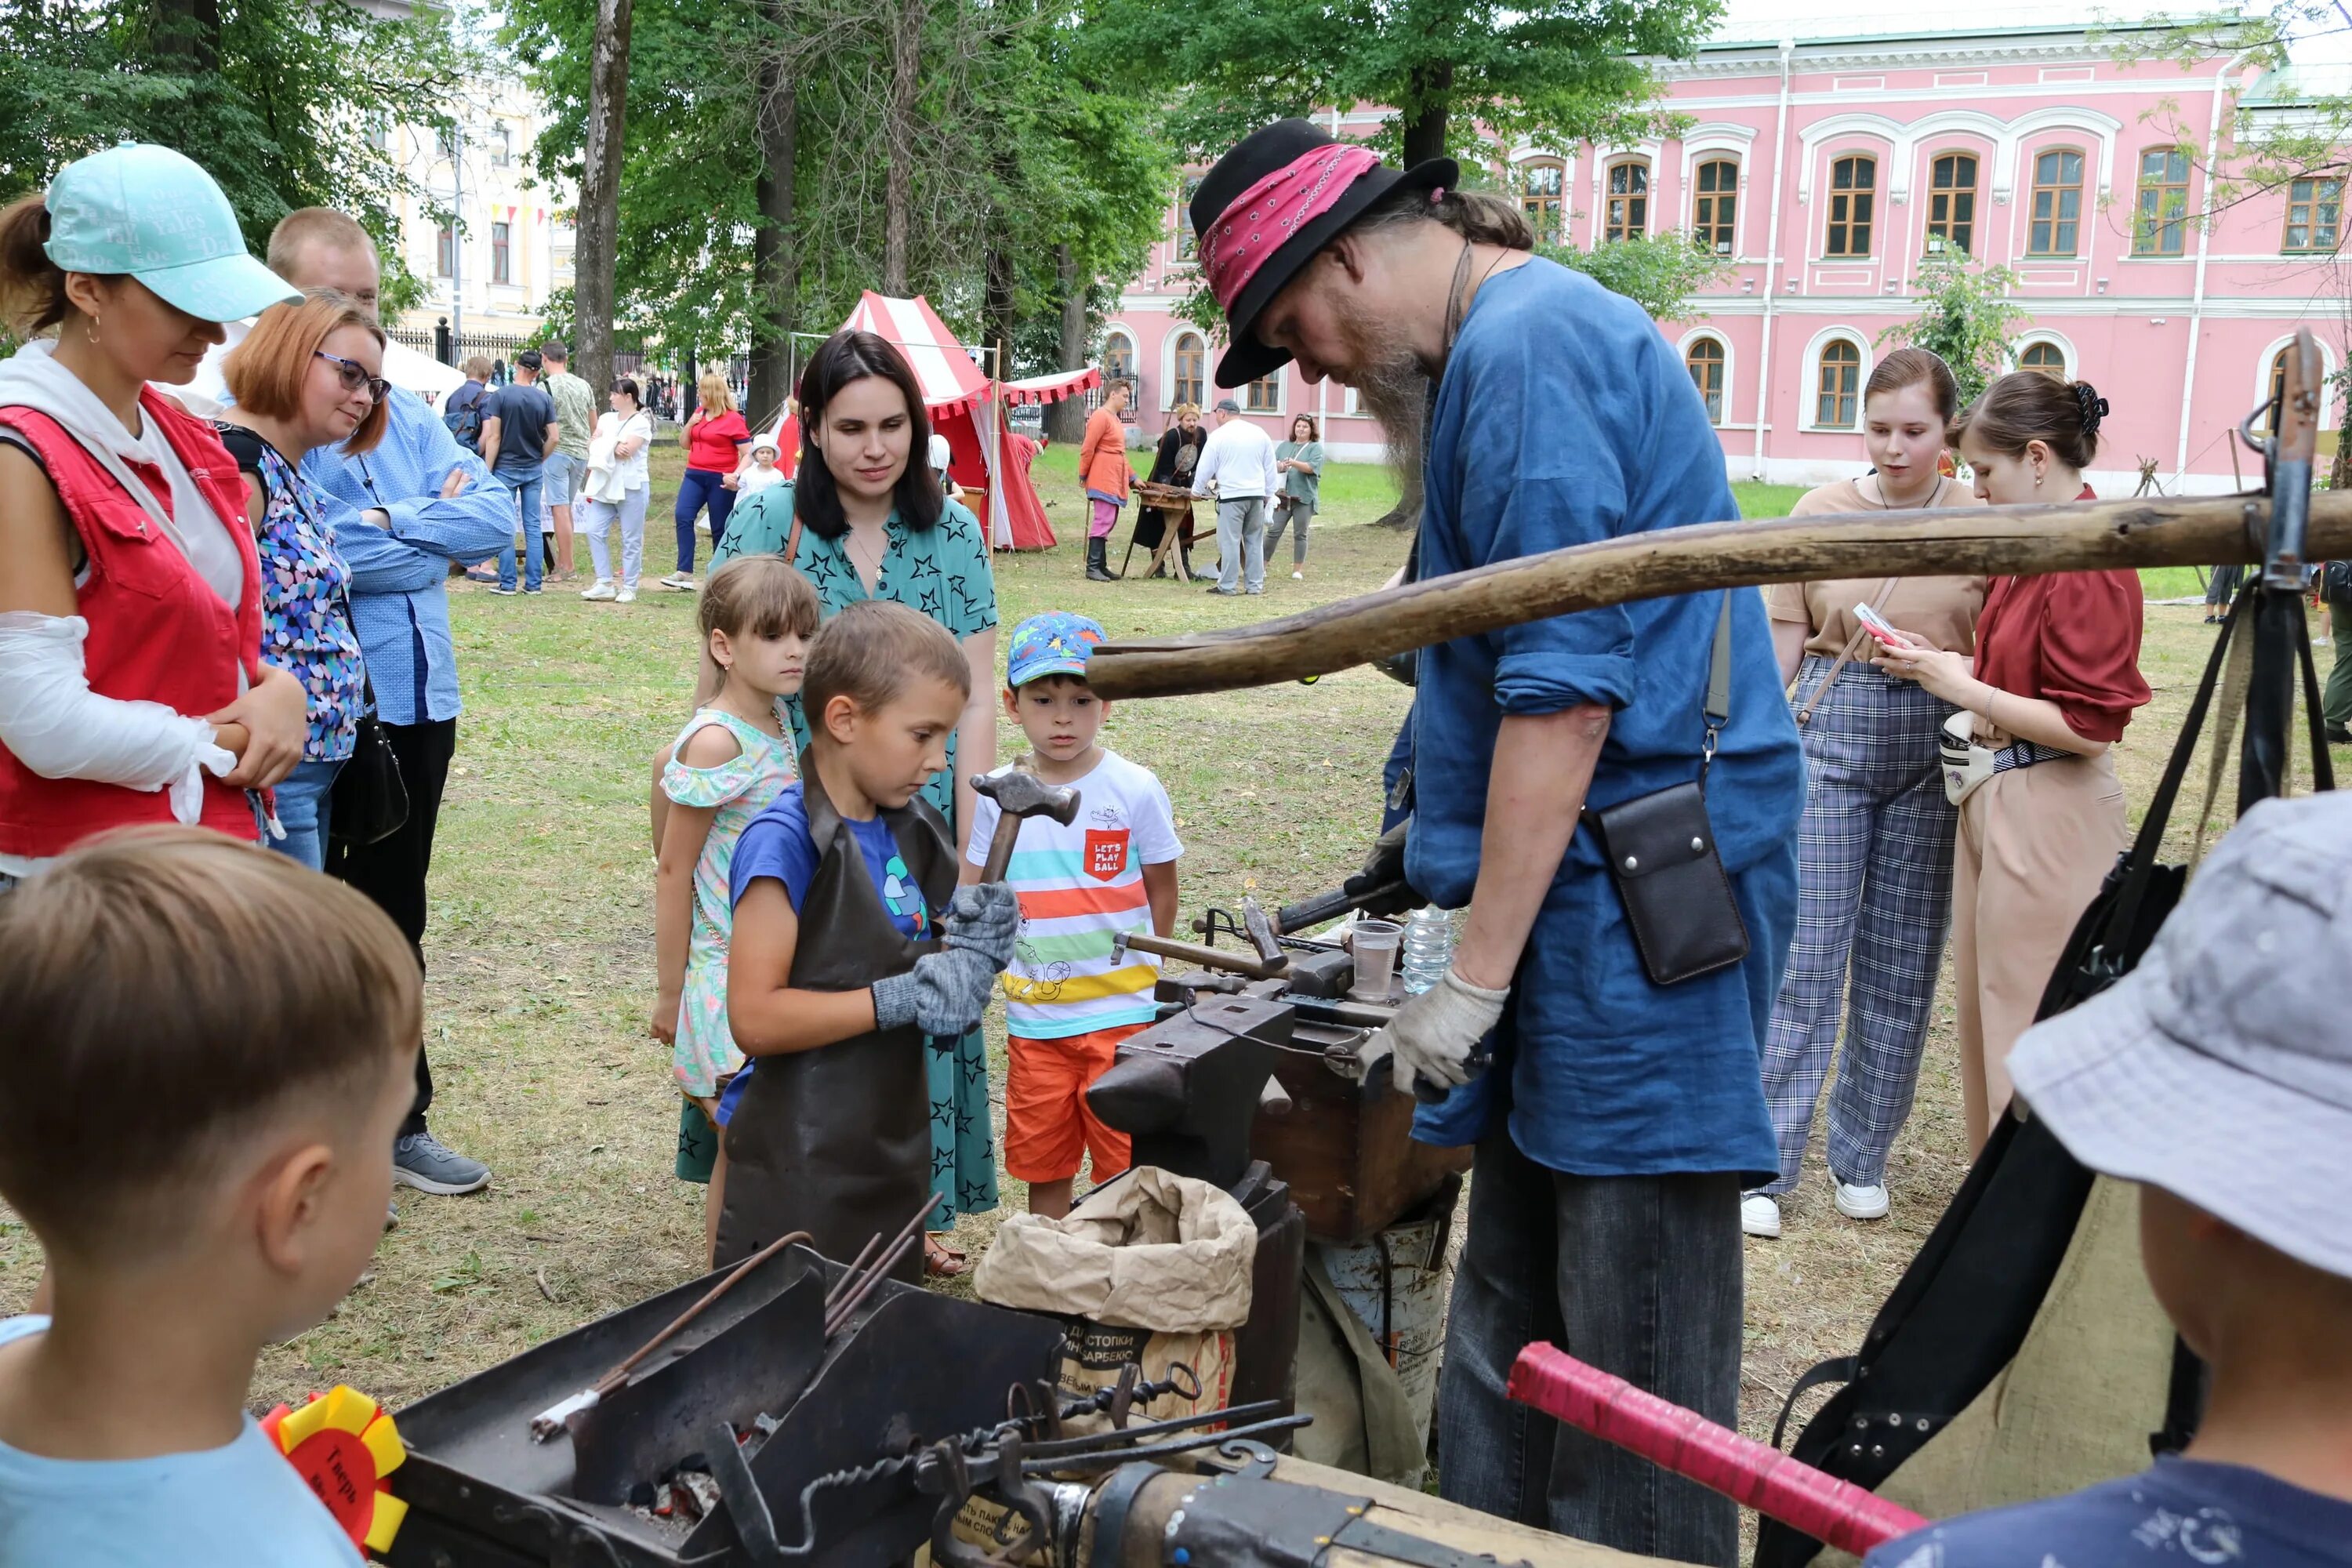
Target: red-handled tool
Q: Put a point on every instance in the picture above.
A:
(1689, 1445)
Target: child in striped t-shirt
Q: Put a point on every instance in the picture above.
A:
(1112, 869)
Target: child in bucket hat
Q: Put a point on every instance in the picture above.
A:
(2218, 1077)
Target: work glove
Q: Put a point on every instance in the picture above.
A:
(985, 918)
(1432, 1035)
(1384, 867)
(944, 994)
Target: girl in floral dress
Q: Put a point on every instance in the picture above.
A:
(733, 757)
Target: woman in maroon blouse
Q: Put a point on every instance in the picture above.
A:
(2054, 680)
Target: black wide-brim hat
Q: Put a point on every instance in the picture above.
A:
(1264, 151)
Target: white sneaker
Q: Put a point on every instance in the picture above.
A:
(680, 581)
(602, 592)
(1861, 1202)
(1760, 1214)
(1299, 576)
(625, 596)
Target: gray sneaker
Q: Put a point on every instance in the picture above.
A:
(420, 1160)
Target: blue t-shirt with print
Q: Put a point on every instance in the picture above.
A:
(777, 843)
(240, 1505)
(2183, 1513)
(1563, 418)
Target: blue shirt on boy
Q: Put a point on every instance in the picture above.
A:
(777, 843)
(2181, 1513)
(1541, 438)
(237, 1506)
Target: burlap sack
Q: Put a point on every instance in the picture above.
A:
(1155, 1251)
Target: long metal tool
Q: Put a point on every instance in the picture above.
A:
(853, 1296)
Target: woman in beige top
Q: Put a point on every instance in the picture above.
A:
(1875, 851)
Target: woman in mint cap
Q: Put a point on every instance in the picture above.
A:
(132, 686)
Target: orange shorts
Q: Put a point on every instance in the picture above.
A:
(1047, 1122)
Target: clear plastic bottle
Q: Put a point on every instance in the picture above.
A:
(1428, 948)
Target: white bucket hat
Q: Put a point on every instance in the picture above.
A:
(2220, 1070)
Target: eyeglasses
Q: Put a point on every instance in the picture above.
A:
(355, 375)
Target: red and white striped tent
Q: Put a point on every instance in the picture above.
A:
(957, 398)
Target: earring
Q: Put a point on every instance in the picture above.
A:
(2037, 481)
(91, 329)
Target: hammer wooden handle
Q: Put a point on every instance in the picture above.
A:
(1206, 957)
(1000, 847)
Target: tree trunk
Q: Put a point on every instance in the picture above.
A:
(898, 190)
(1066, 421)
(997, 308)
(596, 232)
(775, 254)
(1432, 95)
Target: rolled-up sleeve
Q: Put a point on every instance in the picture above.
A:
(1531, 485)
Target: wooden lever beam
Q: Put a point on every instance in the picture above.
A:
(2153, 530)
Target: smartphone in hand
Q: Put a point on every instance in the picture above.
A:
(1878, 627)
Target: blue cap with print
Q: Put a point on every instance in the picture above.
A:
(1055, 643)
(156, 216)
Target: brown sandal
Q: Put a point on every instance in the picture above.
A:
(941, 1260)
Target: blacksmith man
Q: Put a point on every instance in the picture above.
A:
(1622, 1117)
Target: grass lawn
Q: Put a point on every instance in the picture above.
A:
(543, 961)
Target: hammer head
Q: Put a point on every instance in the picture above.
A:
(1018, 794)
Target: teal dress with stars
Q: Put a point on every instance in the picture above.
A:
(944, 572)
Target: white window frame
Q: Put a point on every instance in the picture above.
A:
(1134, 358)
(1168, 398)
(1730, 381)
(2055, 340)
(2326, 376)
(1813, 387)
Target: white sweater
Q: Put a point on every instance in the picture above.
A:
(1237, 462)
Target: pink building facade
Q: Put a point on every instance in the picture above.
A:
(1826, 174)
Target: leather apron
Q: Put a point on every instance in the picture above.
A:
(837, 1141)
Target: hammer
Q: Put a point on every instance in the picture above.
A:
(1018, 795)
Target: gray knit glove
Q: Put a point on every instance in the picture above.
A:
(945, 993)
(986, 918)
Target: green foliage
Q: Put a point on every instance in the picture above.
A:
(1023, 142)
(1555, 72)
(1659, 272)
(1967, 318)
(267, 99)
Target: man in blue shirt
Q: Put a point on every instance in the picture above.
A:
(520, 434)
(401, 514)
(1619, 1118)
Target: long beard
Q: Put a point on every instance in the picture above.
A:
(1393, 388)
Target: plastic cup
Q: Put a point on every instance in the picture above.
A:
(1375, 944)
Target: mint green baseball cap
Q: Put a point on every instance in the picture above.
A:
(156, 216)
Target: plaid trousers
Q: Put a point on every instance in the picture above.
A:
(1875, 897)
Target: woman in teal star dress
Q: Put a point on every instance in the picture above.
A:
(943, 572)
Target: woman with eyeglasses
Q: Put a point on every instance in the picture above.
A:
(305, 375)
(132, 684)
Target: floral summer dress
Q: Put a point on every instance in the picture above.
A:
(705, 1049)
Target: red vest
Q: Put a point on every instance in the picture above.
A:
(158, 633)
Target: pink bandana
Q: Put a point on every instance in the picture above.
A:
(1260, 220)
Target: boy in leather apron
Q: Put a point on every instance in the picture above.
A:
(842, 965)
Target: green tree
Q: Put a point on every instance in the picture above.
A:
(269, 96)
(1965, 318)
(1556, 72)
(1659, 272)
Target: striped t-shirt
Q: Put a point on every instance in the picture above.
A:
(1080, 886)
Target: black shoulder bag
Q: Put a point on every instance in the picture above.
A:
(369, 802)
(1661, 852)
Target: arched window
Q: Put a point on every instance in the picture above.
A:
(1714, 207)
(1117, 356)
(2057, 203)
(1263, 395)
(1837, 385)
(2277, 388)
(1190, 379)
(2160, 218)
(2044, 356)
(1704, 360)
(1853, 186)
(1544, 184)
(1952, 203)
(1628, 200)
(1188, 243)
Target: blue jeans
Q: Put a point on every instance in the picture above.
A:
(304, 798)
(1638, 1276)
(526, 489)
(700, 488)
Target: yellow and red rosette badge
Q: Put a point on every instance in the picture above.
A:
(343, 1447)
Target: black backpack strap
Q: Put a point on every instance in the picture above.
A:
(1837, 1369)
(244, 444)
(2184, 1401)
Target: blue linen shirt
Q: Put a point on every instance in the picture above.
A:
(1562, 419)
(399, 575)
(2178, 1514)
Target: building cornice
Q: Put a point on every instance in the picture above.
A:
(1764, 59)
